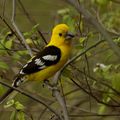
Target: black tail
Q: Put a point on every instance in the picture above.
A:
(16, 83)
(2, 98)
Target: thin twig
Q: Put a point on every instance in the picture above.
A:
(59, 97)
(4, 5)
(96, 115)
(17, 29)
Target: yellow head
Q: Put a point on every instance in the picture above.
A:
(61, 35)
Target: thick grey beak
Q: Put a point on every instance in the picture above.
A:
(69, 36)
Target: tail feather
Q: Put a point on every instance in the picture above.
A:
(18, 80)
(8, 92)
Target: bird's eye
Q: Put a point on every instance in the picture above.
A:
(60, 34)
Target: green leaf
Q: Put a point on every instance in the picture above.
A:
(1, 89)
(27, 34)
(20, 115)
(79, 46)
(90, 35)
(8, 44)
(23, 52)
(116, 81)
(35, 27)
(13, 116)
(107, 68)
(63, 11)
(19, 106)
(2, 47)
(88, 54)
(81, 25)
(101, 109)
(3, 65)
(9, 103)
(82, 39)
(117, 40)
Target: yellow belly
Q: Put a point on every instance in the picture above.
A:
(51, 70)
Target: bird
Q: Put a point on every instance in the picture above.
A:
(46, 62)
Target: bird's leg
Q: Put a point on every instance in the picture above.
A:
(52, 87)
(45, 82)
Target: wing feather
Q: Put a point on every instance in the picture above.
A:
(49, 56)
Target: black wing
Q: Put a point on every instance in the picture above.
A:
(49, 56)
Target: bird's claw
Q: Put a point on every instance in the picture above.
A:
(52, 87)
(45, 82)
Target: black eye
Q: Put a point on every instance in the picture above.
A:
(60, 34)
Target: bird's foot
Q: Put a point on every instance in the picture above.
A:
(52, 87)
(45, 82)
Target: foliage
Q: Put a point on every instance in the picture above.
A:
(17, 113)
(90, 83)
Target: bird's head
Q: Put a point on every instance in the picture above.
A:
(61, 35)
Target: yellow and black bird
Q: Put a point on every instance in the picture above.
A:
(47, 62)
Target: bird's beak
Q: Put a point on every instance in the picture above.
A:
(69, 36)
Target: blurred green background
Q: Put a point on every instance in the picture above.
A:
(44, 12)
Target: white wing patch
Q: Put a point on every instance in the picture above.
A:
(30, 60)
(25, 66)
(50, 57)
(21, 72)
(39, 62)
(42, 67)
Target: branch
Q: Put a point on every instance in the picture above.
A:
(59, 97)
(4, 5)
(17, 29)
(91, 19)
(96, 115)
(32, 97)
